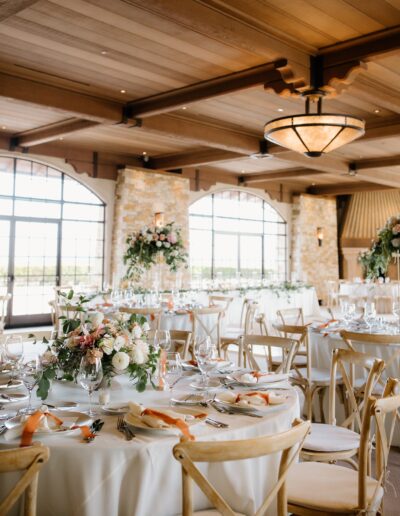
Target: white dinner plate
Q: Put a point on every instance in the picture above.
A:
(62, 405)
(268, 378)
(189, 399)
(6, 383)
(69, 419)
(213, 383)
(13, 397)
(274, 399)
(183, 413)
(115, 408)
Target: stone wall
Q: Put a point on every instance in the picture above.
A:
(310, 262)
(139, 194)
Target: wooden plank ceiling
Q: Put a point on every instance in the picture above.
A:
(111, 52)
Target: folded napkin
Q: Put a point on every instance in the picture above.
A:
(327, 324)
(156, 418)
(43, 421)
(252, 377)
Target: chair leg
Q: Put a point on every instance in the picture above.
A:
(321, 392)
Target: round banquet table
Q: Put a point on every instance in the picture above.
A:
(115, 477)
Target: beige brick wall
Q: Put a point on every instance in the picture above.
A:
(310, 262)
(139, 194)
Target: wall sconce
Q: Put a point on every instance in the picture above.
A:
(320, 236)
(159, 219)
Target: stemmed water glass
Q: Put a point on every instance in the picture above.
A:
(204, 351)
(90, 376)
(14, 352)
(369, 314)
(31, 372)
(162, 340)
(349, 312)
(173, 370)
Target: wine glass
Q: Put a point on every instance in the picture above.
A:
(369, 314)
(31, 373)
(172, 370)
(349, 311)
(162, 340)
(90, 376)
(14, 351)
(396, 311)
(204, 352)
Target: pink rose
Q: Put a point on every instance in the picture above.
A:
(155, 236)
(172, 238)
(162, 237)
(396, 229)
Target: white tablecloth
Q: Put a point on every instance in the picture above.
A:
(114, 477)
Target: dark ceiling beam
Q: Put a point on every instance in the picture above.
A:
(60, 99)
(346, 188)
(263, 177)
(51, 132)
(193, 158)
(9, 8)
(364, 164)
(177, 98)
(362, 48)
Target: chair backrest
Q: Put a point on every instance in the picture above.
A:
(205, 325)
(4, 300)
(300, 334)
(288, 347)
(293, 316)
(345, 360)
(380, 415)
(383, 304)
(152, 313)
(223, 301)
(180, 340)
(29, 460)
(189, 452)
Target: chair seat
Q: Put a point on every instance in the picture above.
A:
(330, 488)
(318, 375)
(298, 360)
(331, 438)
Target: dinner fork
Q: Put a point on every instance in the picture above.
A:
(123, 428)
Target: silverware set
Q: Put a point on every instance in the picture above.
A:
(123, 427)
(232, 410)
(217, 424)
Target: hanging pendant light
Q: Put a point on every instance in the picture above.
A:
(314, 134)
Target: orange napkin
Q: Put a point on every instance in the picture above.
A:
(179, 423)
(325, 325)
(263, 395)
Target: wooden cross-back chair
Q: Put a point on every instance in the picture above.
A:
(393, 341)
(4, 300)
(231, 336)
(180, 342)
(28, 460)
(293, 316)
(329, 442)
(287, 346)
(189, 452)
(200, 317)
(383, 304)
(224, 301)
(316, 488)
(311, 380)
(153, 314)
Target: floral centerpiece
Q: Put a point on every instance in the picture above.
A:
(121, 344)
(376, 260)
(146, 245)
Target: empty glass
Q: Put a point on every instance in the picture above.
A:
(90, 376)
(204, 351)
(172, 370)
(14, 351)
(162, 340)
(31, 373)
(369, 314)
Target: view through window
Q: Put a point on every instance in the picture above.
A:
(51, 233)
(235, 233)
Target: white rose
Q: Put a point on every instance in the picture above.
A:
(120, 361)
(140, 352)
(146, 326)
(95, 318)
(119, 342)
(158, 243)
(167, 244)
(107, 345)
(137, 332)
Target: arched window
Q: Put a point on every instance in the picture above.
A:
(51, 233)
(234, 232)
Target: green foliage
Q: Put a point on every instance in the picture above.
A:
(146, 245)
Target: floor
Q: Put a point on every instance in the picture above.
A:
(391, 504)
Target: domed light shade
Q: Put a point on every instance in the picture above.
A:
(314, 134)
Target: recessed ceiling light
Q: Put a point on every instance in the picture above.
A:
(184, 107)
(61, 138)
(312, 184)
(3, 127)
(123, 91)
(377, 110)
(280, 109)
(144, 153)
(242, 171)
(104, 52)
